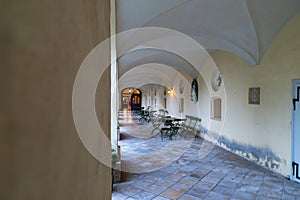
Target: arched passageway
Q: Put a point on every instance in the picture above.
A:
(131, 99)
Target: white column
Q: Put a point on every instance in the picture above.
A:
(114, 77)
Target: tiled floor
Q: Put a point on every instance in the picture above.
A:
(165, 170)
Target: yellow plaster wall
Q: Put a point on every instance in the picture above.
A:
(267, 125)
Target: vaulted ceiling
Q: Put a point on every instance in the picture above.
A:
(243, 27)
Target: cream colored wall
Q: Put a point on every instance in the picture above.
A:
(265, 127)
(148, 95)
(173, 100)
(159, 97)
(44, 43)
(204, 104)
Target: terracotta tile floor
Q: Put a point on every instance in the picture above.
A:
(173, 169)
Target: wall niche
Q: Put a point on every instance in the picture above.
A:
(216, 108)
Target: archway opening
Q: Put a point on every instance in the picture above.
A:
(131, 99)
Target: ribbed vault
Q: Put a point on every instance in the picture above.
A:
(243, 27)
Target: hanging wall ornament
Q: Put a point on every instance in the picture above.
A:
(194, 91)
(216, 81)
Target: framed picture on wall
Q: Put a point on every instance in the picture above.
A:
(254, 96)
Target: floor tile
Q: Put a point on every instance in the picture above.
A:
(188, 197)
(224, 190)
(128, 190)
(144, 195)
(119, 196)
(180, 187)
(160, 198)
(170, 170)
(198, 192)
(214, 195)
(155, 189)
(172, 194)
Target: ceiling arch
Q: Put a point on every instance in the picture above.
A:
(151, 73)
(147, 55)
(243, 27)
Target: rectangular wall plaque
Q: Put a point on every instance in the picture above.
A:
(254, 96)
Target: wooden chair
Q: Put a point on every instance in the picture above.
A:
(189, 125)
